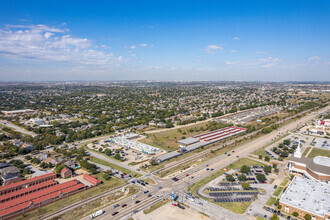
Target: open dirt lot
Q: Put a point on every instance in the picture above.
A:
(169, 212)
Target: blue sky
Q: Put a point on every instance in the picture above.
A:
(165, 40)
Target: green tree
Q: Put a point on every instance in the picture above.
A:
(59, 168)
(268, 169)
(242, 177)
(284, 154)
(107, 151)
(274, 165)
(117, 156)
(245, 186)
(245, 169)
(275, 217)
(100, 149)
(287, 142)
(260, 156)
(261, 177)
(230, 178)
(267, 158)
(295, 214)
(308, 217)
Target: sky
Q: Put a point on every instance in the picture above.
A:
(265, 40)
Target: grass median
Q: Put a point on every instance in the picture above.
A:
(155, 206)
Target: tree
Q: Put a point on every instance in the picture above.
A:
(117, 156)
(308, 217)
(261, 177)
(100, 149)
(28, 157)
(280, 159)
(43, 165)
(153, 161)
(245, 169)
(230, 178)
(59, 168)
(274, 165)
(245, 185)
(295, 214)
(107, 151)
(284, 154)
(242, 177)
(268, 169)
(287, 142)
(275, 217)
(267, 158)
(260, 156)
(106, 176)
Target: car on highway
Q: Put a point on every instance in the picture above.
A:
(228, 155)
(175, 179)
(207, 168)
(233, 151)
(149, 195)
(137, 201)
(145, 192)
(115, 213)
(212, 169)
(123, 205)
(115, 206)
(187, 175)
(133, 182)
(160, 187)
(135, 211)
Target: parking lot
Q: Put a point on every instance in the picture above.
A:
(321, 143)
(128, 155)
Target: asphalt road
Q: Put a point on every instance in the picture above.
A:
(17, 128)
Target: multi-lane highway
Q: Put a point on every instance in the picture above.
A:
(199, 172)
(165, 186)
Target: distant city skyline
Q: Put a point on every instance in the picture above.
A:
(172, 40)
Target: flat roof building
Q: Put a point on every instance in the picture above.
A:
(317, 168)
(306, 196)
(19, 112)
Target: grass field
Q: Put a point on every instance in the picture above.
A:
(278, 191)
(306, 151)
(156, 206)
(271, 201)
(319, 152)
(114, 166)
(167, 140)
(284, 182)
(237, 207)
(150, 181)
(105, 186)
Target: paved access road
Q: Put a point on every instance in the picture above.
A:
(17, 128)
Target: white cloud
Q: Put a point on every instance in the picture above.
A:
(43, 43)
(132, 47)
(235, 38)
(263, 62)
(314, 58)
(143, 45)
(231, 62)
(213, 48)
(233, 51)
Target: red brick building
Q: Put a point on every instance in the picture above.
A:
(66, 173)
(91, 179)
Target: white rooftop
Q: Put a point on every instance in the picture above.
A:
(308, 195)
(324, 161)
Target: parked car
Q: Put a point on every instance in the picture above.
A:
(115, 206)
(123, 205)
(115, 213)
(275, 186)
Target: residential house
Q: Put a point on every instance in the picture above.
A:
(66, 173)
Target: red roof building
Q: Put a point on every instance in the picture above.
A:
(26, 191)
(26, 183)
(91, 179)
(66, 173)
